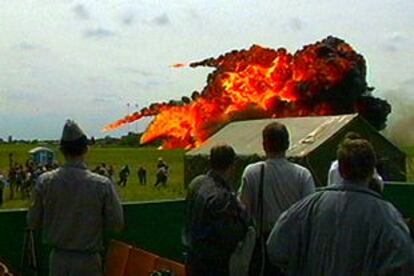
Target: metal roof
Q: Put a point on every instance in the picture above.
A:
(37, 149)
(306, 134)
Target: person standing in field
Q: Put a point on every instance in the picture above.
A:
(162, 176)
(142, 175)
(162, 173)
(103, 171)
(161, 163)
(123, 176)
(73, 206)
(3, 183)
(19, 177)
(111, 173)
(12, 181)
(269, 188)
(344, 229)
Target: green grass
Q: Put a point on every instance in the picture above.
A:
(118, 157)
(409, 150)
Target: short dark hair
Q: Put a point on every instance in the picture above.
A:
(74, 148)
(356, 159)
(222, 157)
(352, 135)
(277, 137)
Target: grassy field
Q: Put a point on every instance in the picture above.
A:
(118, 157)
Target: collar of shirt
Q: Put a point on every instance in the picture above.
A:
(218, 178)
(75, 164)
(277, 159)
(353, 186)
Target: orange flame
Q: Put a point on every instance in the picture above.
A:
(178, 65)
(254, 83)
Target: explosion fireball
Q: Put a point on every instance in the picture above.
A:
(325, 78)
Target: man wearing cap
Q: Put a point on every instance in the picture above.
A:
(73, 205)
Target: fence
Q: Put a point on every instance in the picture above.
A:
(153, 226)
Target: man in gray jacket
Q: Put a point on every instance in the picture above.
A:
(73, 205)
(345, 229)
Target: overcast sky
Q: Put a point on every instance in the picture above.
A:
(87, 59)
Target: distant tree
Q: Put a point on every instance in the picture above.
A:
(131, 139)
(10, 139)
(155, 143)
(107, 140)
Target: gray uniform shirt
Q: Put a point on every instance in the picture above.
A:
(73, 205)
(348, 230)
(284, 184)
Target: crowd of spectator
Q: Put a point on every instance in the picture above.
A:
(21, 178)
(161, 175)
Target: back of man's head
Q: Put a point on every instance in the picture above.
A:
(352, 135)
(222, 157)
(356, 159)
(275, 138)
(73, 142)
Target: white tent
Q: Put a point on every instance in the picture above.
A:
(313, 143)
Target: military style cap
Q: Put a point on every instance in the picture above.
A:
(73, 134)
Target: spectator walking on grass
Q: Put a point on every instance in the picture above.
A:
(161, 163)
(161, 176)
(123, 176)
(73, 206)
(162, 173)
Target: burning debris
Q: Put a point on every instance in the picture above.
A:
(325, 78)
